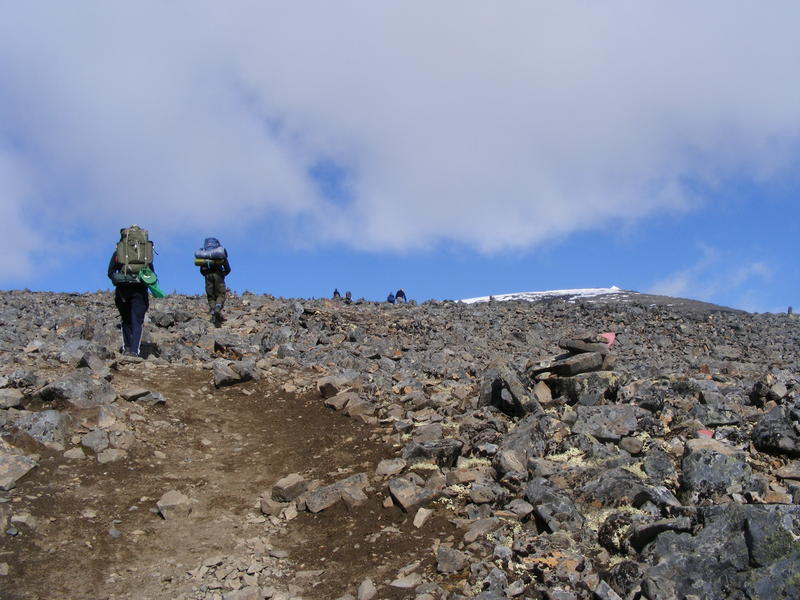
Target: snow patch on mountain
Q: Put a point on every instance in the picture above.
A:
(568, 295)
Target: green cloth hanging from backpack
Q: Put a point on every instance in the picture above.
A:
(150, 279)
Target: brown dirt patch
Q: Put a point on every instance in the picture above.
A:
(97, 535)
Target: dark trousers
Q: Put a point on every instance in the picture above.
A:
(215, 290)
(132, 303)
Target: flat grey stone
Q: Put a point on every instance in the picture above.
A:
(96, 441)
(111, 455)
(390, 466)
(449, 560)
(367, 590)
(288, 488)
(134, 393)
(10, 398)
(74, 454)
(408, 582)
(174, 504)
(408, 495)
(13, 467)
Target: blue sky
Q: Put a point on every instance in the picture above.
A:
(480, 150)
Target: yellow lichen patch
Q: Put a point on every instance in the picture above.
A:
(446, 503)
(423, 466)
(595, 518)
(569, 455)
(450, 429)
(556, 559)
(518, 568)
(461, 491)
(636, 469)
(475, 461)
(616, 559)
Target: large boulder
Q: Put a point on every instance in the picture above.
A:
(777, 433)
(608, 423)
(13, 466)
(531, 438)
(502, 387)
(48, 427)
(586, 388)
(79, 389)
(228, 372)
(443, 452)
(712, 469)
(553, 507)
(715, 562)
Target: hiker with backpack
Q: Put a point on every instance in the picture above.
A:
(400, 296)
(212, 259)
(130, 264)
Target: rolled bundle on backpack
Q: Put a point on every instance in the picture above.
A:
(217, 253)
(208, 262)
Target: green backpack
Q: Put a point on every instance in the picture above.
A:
(134, 250)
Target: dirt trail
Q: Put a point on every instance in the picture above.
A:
(98, 536)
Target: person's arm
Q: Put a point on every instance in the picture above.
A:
(112, 266)
(226, 267)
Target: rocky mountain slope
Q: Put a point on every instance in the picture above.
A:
(619, 446)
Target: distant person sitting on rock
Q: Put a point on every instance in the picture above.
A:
(348, 297)
(133, 255)
(336, 294)
(390, 298)
(400, 296)
(212, 259)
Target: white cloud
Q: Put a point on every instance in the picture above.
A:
(19, 239)
(498, 126)
(718, 277)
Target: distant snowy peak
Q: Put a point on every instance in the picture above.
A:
(568, 295)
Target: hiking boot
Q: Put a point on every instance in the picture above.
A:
(216, 315)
